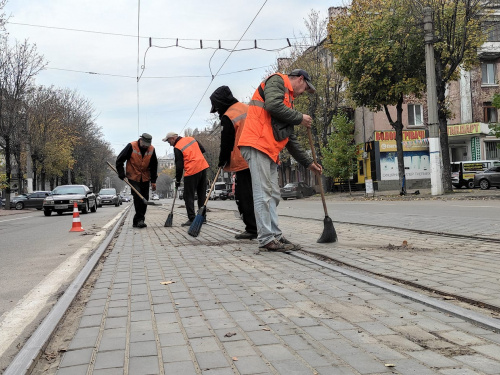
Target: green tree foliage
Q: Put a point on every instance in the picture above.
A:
(378, 46)
(340, 152)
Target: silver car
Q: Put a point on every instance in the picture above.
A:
(488, 178)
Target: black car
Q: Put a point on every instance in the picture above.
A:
(29, 200)
(63, 198)
(296, 190)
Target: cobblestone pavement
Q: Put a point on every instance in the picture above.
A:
(168, 303)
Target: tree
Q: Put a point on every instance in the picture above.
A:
(495, 128)
(18, 67)
(339, 153)
(378, 46)
(459, 33)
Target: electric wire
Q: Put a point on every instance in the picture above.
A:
(138, 62)
(227, 58)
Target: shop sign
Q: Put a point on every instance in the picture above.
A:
(476, 148)
(463, 129)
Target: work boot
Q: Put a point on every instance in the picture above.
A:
(134, 225)
(245, 236)
(141, 224)
(187, 223)
(292, 247)
(275, 245)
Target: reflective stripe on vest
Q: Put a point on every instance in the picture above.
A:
(194, 161)
(258, 131)
(137, 168)
(237, 113)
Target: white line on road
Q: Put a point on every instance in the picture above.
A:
(20, 218)
(25, 312)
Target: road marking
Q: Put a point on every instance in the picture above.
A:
(25, 312)
(20, 218)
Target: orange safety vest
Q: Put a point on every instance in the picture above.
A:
(138, 165)
(194, 161)
(237, 114)
(258, 131)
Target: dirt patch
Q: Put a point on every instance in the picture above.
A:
(405, 246)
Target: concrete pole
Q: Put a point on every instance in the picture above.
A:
(434, 143)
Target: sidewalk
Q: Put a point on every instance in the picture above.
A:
(168, 303)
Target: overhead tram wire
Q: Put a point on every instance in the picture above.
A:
(138, 62)
(227, 58)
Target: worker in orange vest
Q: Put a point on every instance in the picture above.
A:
(232, 116)
(189, 160)
(269, 127)
(142, 168)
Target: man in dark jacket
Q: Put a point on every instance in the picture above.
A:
(269, 127)
(142, 167)
(232, 114)
(189, 160)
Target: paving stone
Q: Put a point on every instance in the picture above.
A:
(76, 357)
(109, 359)
(144, 365)
(143, 349)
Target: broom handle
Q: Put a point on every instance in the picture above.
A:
(212, 187)
(173, 203)
(128, 183)
(320, 181)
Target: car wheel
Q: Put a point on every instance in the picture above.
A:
(59, 212)
(285, 199)
(19, 205)
(484, 184)
(85, 210)
(300, 195)
(47, 212)
(470, 184)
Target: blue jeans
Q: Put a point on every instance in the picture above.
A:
(266, 193)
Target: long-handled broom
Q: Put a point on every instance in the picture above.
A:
(329, 234)
(170, 218)
(195, 227)
(133, 188)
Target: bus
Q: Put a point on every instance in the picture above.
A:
(462, 172)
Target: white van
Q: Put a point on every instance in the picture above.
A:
(462, 172)
(219, 187)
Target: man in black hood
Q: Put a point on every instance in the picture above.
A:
(232, 114)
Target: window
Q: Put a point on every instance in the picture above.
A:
(414, 114)
(490, 113)
(492, 30)
(488, 74)
(492, 150)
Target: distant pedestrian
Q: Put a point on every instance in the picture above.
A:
(269, 127)
(189, 160)
(141, 169)
(232, 114)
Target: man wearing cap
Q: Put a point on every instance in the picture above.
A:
(269, 127)
(190, 160)
(141, 169)
(232, 116)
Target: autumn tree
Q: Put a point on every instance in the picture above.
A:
(378, 46)
(459, 33)
(19, 64)
(339, 153)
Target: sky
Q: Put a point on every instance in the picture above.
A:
(92, 46)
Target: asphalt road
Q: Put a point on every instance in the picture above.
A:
(33, 245)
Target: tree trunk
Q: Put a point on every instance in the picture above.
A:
(443, 139)
(8, 172)
(398, 127)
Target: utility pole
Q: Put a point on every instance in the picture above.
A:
(434, 143)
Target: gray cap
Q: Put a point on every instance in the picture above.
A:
(303, 73)
(146, 139)
(170, 135)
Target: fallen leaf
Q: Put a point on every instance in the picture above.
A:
(234, 358)
(229, 334)
(390, 365)
(167, 282)
(405, 243)
(266, 329)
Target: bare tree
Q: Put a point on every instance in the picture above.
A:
(19, 65)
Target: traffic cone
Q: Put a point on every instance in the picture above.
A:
(77, 225)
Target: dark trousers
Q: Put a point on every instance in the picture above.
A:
(139, 205)
(195, 183)
(243, 195)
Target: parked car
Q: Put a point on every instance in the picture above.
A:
(63, 198)
(125, 198)
(109, 196)
(488, 178)
(226, 194)
(296, 190)
(155, 197)
(29, 200)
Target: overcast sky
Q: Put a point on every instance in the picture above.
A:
(78, 37)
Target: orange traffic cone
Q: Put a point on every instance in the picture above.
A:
(77, 225)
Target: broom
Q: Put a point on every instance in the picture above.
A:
(170, 218)
(195, 227)
(144, 200)
(329, 234)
